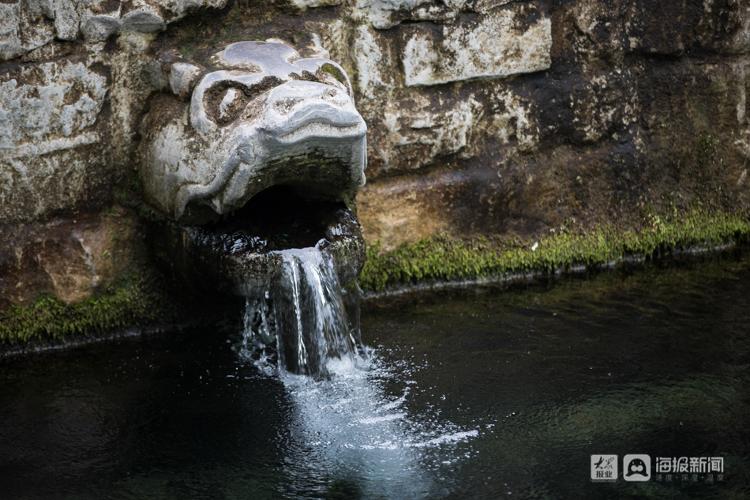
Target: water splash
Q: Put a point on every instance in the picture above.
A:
(346, 424)
(357, 428)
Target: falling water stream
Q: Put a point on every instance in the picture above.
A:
(346, 419)
(302, 317)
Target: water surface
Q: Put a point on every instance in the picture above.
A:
(476, 395)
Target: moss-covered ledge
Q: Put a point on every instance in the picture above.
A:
(133, 302)
(141, 300)
(444, 259)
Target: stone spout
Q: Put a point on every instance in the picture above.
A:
(259, 115)
(254, 151)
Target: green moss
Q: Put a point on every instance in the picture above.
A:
(445, 259)
(132, 303)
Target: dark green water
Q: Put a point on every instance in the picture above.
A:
(482, 395)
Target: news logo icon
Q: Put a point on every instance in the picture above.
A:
(636, 467)
(603, 468)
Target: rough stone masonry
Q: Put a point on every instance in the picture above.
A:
(507, 118)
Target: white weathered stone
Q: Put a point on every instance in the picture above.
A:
(449, 132)
(491, 47)
(240, 137)
(130, 88)
(23, 27)
(143, 20)
(67, 18)
(309, 4)
(315, 47)
(427, 129)
(48, 120)
(182, 77)
(382, 13)
(26, 25)
(369, 61)
(53, 112)
(100, 27)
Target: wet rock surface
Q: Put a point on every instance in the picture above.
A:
(67, 259)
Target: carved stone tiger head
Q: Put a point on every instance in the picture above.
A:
(259, 115)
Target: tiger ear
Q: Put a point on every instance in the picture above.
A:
(183, 77)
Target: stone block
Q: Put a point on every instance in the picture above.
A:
(504, 43)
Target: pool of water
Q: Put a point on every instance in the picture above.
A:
(474, 395)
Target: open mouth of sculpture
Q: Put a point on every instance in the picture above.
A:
(279, 218)
(244, 248)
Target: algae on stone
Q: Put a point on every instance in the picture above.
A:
(133, 302)
(446, 259)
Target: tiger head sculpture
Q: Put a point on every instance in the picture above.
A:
(259, 115)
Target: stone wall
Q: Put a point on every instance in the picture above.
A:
(509, 118)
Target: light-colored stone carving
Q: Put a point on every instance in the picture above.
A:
(537, 148)
(260, 116)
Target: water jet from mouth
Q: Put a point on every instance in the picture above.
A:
(301, 321)
(294, 261)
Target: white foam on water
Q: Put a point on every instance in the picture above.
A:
(382, 418)
(344, 425)
(455, 437)
(350, 426)
(396, 403)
